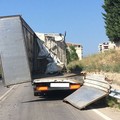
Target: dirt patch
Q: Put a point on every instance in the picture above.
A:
(114, 78)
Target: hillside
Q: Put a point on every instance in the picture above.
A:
(107, 63)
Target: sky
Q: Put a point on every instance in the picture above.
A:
(81, 19)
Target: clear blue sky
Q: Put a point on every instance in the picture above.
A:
(81, 19)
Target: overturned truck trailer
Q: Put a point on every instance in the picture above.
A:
(22, 53)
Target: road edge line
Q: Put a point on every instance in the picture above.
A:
(101, 114)
(6, 93)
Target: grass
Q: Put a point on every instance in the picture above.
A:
(112, 102)
(108, 61)
(107, 102)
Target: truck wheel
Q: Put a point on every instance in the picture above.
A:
(35, 94)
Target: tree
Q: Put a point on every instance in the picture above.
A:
(68, 56)
(112, 19)
(71, 54)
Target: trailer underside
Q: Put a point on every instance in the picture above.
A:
(65, 82)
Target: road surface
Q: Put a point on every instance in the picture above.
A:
(21, 104)
(2, 88)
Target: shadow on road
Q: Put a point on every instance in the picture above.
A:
(51, 96)
(96, 105)
(60, 95)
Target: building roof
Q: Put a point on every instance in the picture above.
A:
(73, 44)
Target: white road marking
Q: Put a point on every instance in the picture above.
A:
(101, 114)
(3, 97)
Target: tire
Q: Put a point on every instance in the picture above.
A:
(36, 94)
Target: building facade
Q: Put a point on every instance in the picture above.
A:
(106, 46)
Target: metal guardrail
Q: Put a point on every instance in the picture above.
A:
(112, 92)
(115, 93)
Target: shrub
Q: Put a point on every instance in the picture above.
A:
(75, 67)
(112, 102)
(116, 68)
(71, 54)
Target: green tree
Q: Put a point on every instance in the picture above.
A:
(71, 54)
(68, 56)
(112, 19)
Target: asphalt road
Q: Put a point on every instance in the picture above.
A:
(2, 88)
(21, 104)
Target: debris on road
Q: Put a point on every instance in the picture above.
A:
(94, 88)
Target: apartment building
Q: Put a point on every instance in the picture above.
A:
(106, 46)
